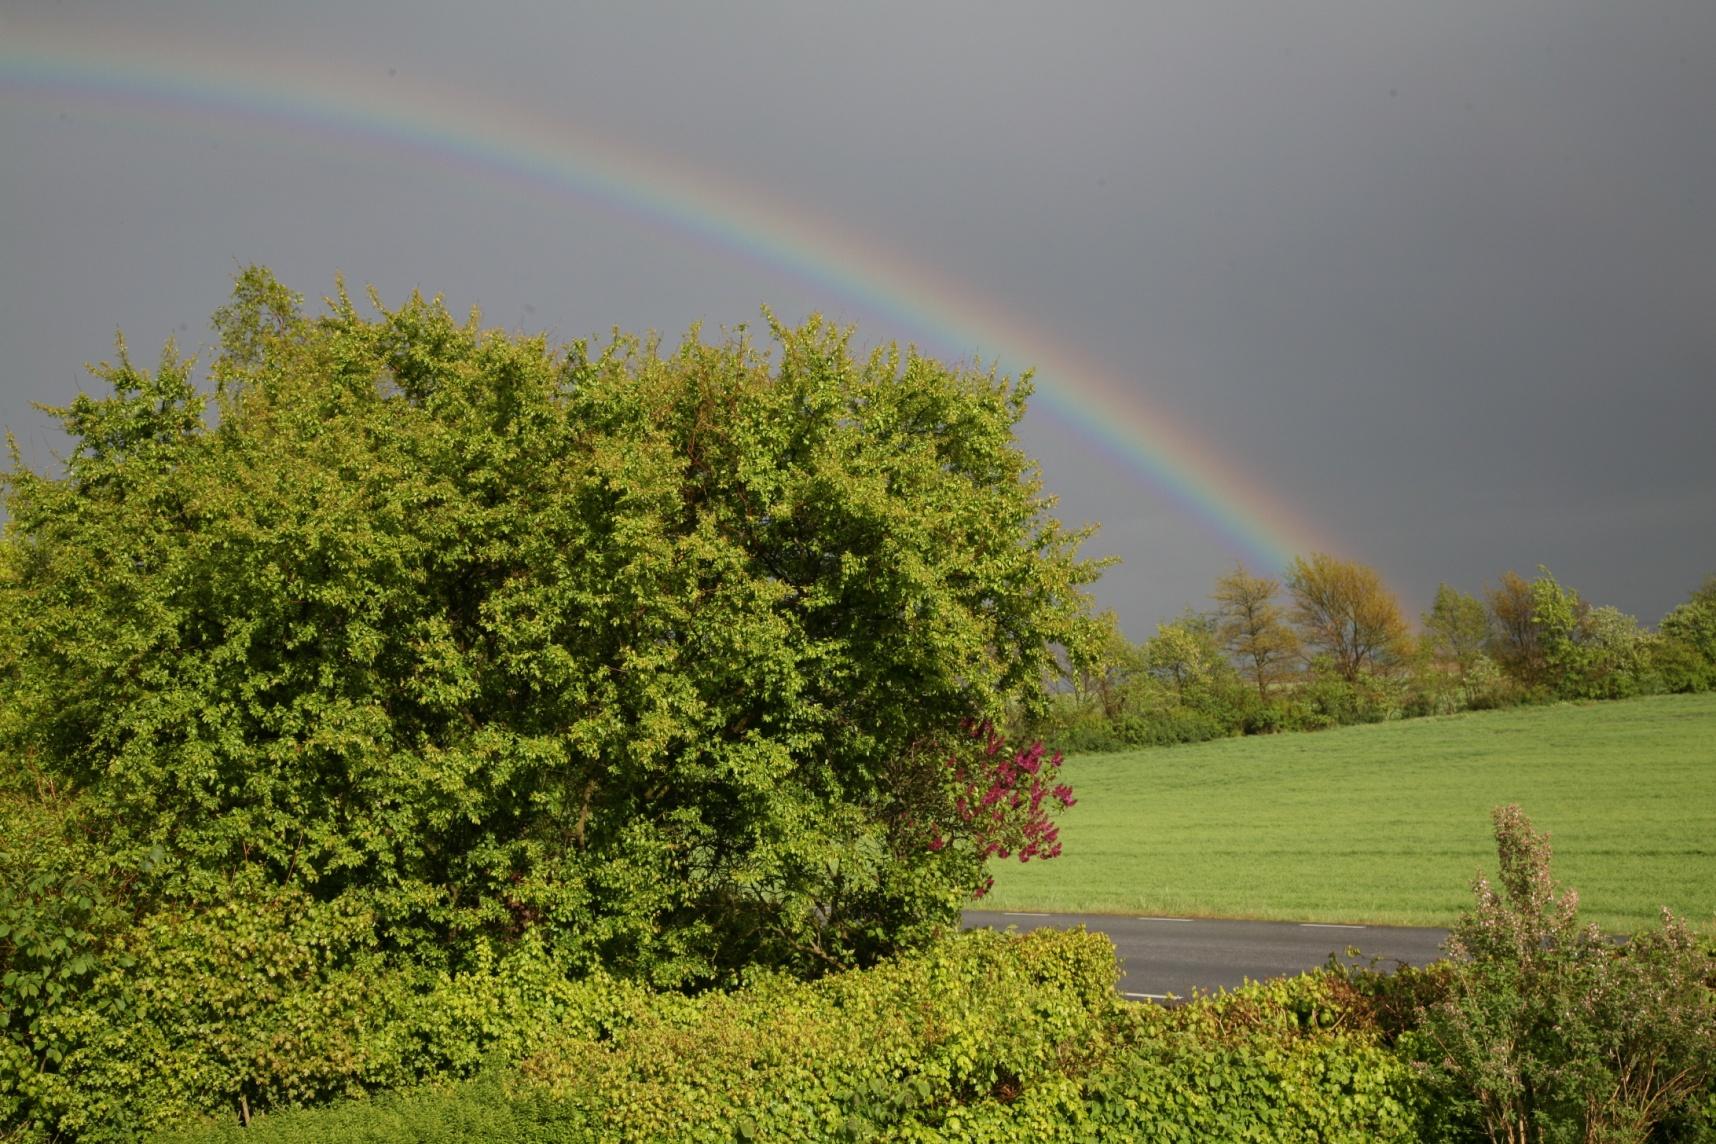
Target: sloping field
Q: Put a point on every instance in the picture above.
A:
(1389, 823)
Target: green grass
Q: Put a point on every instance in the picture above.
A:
(1388, 823)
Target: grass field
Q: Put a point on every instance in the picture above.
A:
(1388, 823)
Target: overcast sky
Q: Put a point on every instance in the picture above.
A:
(1439, 277)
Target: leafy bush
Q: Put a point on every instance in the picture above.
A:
(1291, 1059)
(1171, 727)
(251, 1002)
(63, 905)
(1088, 731)
(1327, 700)
(1265, 719)
(269, 999)
(654, 654)
(1685, 655)
(1487, 687)
(979, 1017)
(1549, 1032)
(984, 1038)
(1681, 667)
(1088, 734)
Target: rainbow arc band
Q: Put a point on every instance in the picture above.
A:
(216, 86)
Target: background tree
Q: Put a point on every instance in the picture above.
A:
(1686, 653)
(1195, 692)
(1514, 641)
(1560, 617)
(1451, 671)
(1456, 629)
(1184, 656)
(1108, 685)
(1343, 611)
(1695, 620)
(1253, 628)
(1620, 654)
(662, 657)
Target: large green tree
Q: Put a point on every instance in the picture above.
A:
(661, 655)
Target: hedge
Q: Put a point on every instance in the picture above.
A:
(985, 1037)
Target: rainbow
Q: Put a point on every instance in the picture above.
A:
(224, 87)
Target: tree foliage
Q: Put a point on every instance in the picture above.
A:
(1558, 614)
(1686, 653)
(1344, 612)
(1456, 629)
(659, 654)
(1184, 657)
(1112, 682)
(1515, 642)
(1253, 628)
(1453, 672)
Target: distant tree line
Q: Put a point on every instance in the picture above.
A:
(1328, 644)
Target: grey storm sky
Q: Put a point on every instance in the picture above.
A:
(1439, 276)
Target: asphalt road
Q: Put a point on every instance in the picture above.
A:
(1170, 957)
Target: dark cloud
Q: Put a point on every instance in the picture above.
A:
(1441, 276)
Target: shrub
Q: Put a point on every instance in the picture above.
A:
(1161, 724)
(1487, 687)
(914, 1041)
(1167, 727)
(985, 1037)
(1292, 1059)
(63, 905)
(1548, 1031)
(1685, 654)
(1265, 719)
(1681, 666)
(268, 999)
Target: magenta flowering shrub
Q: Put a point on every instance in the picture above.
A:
(1004, 800)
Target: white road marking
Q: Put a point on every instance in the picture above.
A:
(1325, 925)
(1145, 918)
(1024, 914)
(1149, 996)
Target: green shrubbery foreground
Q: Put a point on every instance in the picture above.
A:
(244, 1009)
(982, 1037)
